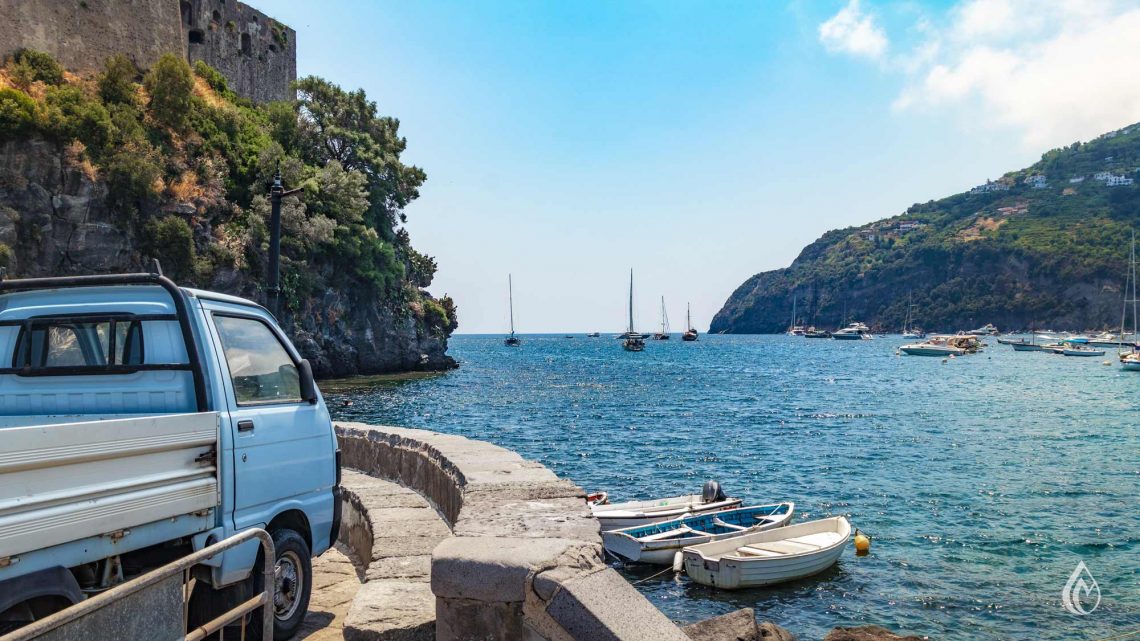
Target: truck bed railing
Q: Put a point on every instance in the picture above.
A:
(75, 615)
(102, 280)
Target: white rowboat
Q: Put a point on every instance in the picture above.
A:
(775, 556)
(617, 516)
(658, 543)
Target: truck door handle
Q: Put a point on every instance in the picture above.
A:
(245, 425)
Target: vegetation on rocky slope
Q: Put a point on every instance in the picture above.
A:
(1044, 246)
(186, 166)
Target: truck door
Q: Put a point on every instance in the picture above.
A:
(282, 455)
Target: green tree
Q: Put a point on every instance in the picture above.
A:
(28, 66)
(170, 84)
(17, 113)
(170, 240)
(117, 82)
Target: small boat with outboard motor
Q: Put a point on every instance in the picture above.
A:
(616, 516)
(659, 543)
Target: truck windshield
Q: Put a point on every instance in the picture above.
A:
(47, 343)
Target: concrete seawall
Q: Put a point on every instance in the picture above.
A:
(524, 559)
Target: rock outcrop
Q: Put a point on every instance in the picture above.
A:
(54, 221)
(866, 633)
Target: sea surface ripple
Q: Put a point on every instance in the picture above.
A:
(983, 480)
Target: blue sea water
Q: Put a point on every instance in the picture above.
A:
(983, 480)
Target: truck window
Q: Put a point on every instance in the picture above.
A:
(69, 344)
(260, 367)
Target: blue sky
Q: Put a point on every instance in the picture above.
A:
(700, 143)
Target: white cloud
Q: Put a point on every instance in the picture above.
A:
(1055, 70)
(851, 31)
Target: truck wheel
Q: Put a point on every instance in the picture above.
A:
(294, 584)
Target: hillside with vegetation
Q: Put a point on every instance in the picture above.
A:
(100, 173)
(1046, 246)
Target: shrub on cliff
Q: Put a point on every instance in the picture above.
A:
(170, 84)
(171, 240)
(17, 113)
(132, 175)
(69, 114)
(117, 82)
(28, 66)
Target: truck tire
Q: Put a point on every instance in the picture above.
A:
(294, 572)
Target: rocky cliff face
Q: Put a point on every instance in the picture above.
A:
(54, 221)
(1046, 246)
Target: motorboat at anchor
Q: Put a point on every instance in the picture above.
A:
(616, 516)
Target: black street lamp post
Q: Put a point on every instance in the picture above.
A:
(273, 290)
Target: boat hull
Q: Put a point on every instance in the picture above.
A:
(731, 571)
(1082, 352)
(617, 516)
(1027, 347)
(928, 350)
(1131, 366)
(661, 544)
(847, 337)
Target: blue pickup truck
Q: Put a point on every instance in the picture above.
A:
(141, 421)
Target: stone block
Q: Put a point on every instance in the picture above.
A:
(497, 569)
(416, 567)
(393, 610)
(566, 518)
(603, 606)
(466, 620)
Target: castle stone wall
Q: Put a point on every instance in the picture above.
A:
(256, 54)
(81, 34)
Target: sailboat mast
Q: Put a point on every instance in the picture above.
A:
(688, 316)
(793, 311)
(1132, 260)
(511, 303)
(631, 301)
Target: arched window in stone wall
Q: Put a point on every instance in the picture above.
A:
(187, 17)
(246, 44)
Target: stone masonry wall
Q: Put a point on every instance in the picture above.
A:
(81, 34)
(256, 54)
(524, 561)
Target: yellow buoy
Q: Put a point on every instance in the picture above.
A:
(862, 543)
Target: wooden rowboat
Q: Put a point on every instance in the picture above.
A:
(659, 543)
(773, 556)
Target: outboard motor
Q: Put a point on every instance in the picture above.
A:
(712, 493)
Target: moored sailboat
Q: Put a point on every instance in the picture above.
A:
(633, 341)
(663, 335)
(690, 334)
(1130, 360)
(511, 340)
(795, 329)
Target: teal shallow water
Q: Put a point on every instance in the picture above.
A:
(983, 480)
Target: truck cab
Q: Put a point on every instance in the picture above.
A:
(140, 421)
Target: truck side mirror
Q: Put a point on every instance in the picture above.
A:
(308, 383)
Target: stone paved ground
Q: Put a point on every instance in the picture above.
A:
(335, 582)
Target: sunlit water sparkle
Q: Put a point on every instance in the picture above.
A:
(983, 480)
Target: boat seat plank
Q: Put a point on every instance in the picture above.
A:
(729, 525)
(668, 534)
(819, 539)
(785, 547)
(752, 551)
